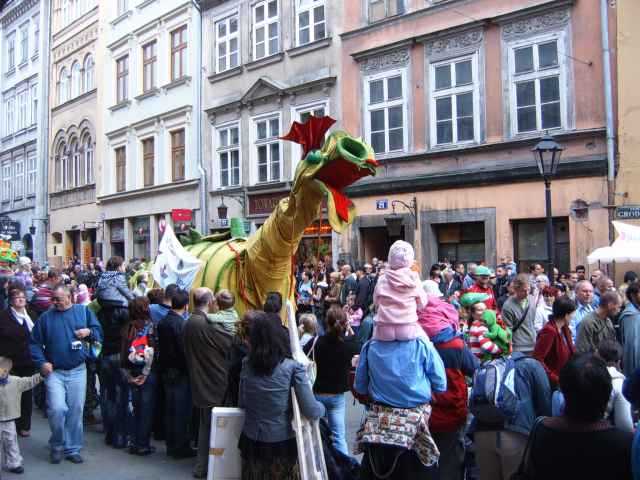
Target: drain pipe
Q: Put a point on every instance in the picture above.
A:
(608, 101)
(204, 207)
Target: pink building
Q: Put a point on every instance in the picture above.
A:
(452, 95)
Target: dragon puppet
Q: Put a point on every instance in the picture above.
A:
(262, 263)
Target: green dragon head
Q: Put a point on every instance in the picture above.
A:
(331, 165)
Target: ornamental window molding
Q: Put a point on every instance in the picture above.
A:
(385, 61)
(546, 22)
(455, 45)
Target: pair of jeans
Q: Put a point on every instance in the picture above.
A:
(177, 411)
(143, 400)
(114, 400)
(335, 406)
(65, 402)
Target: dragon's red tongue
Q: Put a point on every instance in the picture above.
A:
(341, 202)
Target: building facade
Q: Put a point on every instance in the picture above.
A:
(75, 132)
(452, 96)
(24, 54)
(268, 63)
(151, 123)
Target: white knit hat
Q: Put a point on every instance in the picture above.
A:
(401, 255)
(431, 288)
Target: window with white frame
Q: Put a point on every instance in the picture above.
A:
(454, 101)
(76, 80)
(386, 112)
(122, 79)
(11, 51)
(73, 165)
(87, 144)
(266, 29)
(60, 163)
(179, 50)
(228, 152)
(227, 43)
(34, 104)
(537, 85)
(18, 190)
(23, 109)
(36, 34)
(10, 115)
(310, 20)
(302, 114)
(32, 167)
(24, 43)
(149, 65)
(89, 73)
(381, 9)
(63, 86)
(6, 181)
(267, 149)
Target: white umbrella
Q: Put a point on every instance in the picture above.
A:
(625, 249)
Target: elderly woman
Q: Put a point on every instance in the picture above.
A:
(580, 444)
(267, 443)
(15, 331)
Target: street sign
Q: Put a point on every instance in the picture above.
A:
(9, 228)
(382, 204)
(630, 212)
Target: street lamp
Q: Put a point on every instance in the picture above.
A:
(547, 154)
(394, 221)
(222, 210)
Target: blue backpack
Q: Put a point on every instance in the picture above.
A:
(494, 399)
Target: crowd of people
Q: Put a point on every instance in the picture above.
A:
(465, 372)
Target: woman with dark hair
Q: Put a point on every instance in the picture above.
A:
(580, 443)
(554, 345)
(333, 353)
(137, 353)
(273, 303)
(267, 443)
(629, 322)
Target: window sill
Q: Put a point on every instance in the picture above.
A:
(232, 72)
(6, 138)
(453, 146)
(153, 92)
(121, 18)
(176, 83)
(309, 47)
(21, 65)
(144, 4)
(35, 56)
(18, 199)
(10, 72)
(263, 62)
(31, 195)
(539, 133)
(120, 106)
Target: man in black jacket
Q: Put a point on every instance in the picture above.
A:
(175, 378)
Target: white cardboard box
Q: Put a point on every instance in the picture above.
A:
(225, 462)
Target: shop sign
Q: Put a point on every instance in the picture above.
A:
(382, 204)
(9, 228)
(628, 212)
(316, 230)
(266, 203)
(181, 215)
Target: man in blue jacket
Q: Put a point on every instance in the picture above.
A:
(58, 351)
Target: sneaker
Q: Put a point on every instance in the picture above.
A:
(55, 457)
(75, 458)
(17, 470)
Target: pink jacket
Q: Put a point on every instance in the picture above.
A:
(437, 316)
(398, 295)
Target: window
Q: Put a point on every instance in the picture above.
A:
(530, 244)
(32, 167)
(10, 126)
(76, 80)
(34, 104)
(227, 44)
(122, 78)
(121, 169)
(149, 61)
(386, 112)
(123, 6)
(36, 35)
(461, 242)
(59, 167)
(18, 191)
(65, 12)
(6, 182)
(537, 87)
(177, 155)
(73, 166)
(380, 9)
(302, 115)
(178, 53)
(24, 43)
(148, 161)
(63, 86)
(454, 102)
(88, 159)
(265, 29)
(11, 52)
(267, 145)
(229, 156)
(23, 109)
(310, 21)
(89, 73)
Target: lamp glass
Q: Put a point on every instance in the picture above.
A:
(222, 212)
(547, 154)
(394, 225)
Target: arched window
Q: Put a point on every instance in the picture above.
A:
(74, 164)
(89, 71)
(59, 170)
(76, 80)
(87, 146)
(65, 12)
(63, 86)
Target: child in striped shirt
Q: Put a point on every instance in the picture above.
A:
(487, 339)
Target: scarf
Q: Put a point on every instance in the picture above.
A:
(21, 318)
